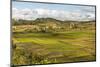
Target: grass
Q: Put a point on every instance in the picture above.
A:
(62, 46)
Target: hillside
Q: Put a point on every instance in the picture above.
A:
(47, 40)
(49, 25)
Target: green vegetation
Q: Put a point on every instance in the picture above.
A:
(46, 41)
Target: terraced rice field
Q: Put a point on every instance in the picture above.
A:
(57, 47)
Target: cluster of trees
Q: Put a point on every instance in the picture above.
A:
(22, 22)
(22, 56)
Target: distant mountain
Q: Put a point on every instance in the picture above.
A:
(46, 21)
(52, 20)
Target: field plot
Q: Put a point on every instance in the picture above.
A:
(53, 47)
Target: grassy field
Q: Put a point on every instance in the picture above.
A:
(46, 41)
(54, 47)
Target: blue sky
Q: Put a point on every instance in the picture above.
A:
(32, 5)
(58, 7)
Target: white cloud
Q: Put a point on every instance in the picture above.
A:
(30, 14)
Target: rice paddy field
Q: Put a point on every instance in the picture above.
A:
(55, 47)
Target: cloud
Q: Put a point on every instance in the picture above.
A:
(89, 9)
(32, 14)
(27, 14)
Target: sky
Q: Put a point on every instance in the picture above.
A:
(32, 11)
